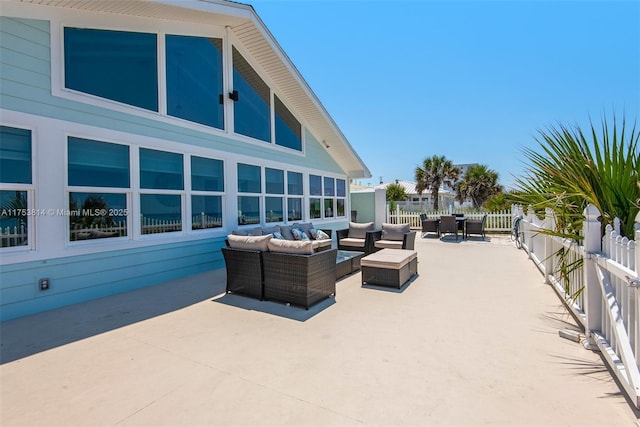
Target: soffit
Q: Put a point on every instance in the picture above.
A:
(257, 41)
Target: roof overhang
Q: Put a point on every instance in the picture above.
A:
(248, 28)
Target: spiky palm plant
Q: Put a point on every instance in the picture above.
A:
(574, 168)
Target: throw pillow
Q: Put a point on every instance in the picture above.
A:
(286, 232)
(298, 234)
(304, 226)
(313, 233)
(270, 230)
(278, 235)
(322, 235)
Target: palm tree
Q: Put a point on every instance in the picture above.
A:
(478, 184)
(601, 167)
(395, 192)
(435, 171)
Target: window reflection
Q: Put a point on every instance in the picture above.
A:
(194, 79)
(117, 65)
(252, 112)
(288, 128)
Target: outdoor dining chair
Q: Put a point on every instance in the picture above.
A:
(476, 226)
(429, 225)
(448, 224)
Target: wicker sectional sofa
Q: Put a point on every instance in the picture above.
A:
(289, 271)
(292, 232)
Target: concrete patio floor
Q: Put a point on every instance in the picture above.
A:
(473, 340)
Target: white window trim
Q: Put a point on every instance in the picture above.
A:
(31, 195)
(58, 88)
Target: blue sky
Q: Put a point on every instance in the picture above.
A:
(471, 80)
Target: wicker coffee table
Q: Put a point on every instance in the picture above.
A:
(347, 262)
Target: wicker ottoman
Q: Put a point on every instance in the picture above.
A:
(389, 267)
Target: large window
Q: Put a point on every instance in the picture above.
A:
(274, 205)
(15, 182)
(98, 179)
(117, 65)
(250, 185)
(252, 113)
(161, 177)
(194, 79)
(288, 128)
(315, 189)
(327, 197)
(207, 185)
(295, 192)
(341, 193)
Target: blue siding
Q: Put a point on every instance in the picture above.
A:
(84, 277)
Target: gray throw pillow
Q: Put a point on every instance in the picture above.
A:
(286, 232)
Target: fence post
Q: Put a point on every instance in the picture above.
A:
(549, 250)
(592, 292)
(637, 239)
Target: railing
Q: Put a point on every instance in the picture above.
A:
(500, 221)
(598, 278)
(13, 236)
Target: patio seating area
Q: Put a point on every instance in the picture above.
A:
(455, 346)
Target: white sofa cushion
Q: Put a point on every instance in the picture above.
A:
(291, 246)
(256, 243)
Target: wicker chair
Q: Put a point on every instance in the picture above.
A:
(368, 243)
(299, 279)
(448, 224)
(429, 225)
(244, 272)
(476, 226)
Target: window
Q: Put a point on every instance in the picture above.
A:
(15, 155)
(329, 192)
(207, 184)
(15, 179)
(161, 210)
(315, 189)
(249, 181)
(194, 79)
(252, 111)
(294, 204)
(341, 193)
(315, 185)
(117, 65)
(98, 177)
(274, 206)
(333, 201)
(315, 210)
(288, 128)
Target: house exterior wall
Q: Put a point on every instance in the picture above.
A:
(32, 97)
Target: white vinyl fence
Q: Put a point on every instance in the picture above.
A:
(499, 221)
(599, 280)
